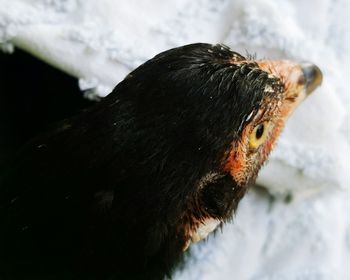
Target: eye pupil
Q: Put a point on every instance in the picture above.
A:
(259, 131)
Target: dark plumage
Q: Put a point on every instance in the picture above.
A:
(119, 191)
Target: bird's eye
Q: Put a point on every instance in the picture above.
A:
(258, 135)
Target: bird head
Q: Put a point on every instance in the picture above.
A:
(287, 84)
(203, 120)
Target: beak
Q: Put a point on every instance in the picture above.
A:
(312, 77)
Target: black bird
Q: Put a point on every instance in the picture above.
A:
(122, 189)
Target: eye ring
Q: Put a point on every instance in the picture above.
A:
(258, 135)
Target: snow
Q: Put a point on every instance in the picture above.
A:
(298, 227)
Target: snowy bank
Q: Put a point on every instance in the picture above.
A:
(300, 227)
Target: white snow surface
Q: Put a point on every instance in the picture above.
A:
(307, 238)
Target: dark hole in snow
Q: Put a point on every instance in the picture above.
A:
(32, 95)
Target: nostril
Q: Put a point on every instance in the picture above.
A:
(312, 76)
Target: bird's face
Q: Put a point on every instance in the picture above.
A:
(265, 124)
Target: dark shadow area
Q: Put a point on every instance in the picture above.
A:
(32, 95)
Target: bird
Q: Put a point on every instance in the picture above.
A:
(122, 189)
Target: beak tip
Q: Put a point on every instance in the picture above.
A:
(312, 76)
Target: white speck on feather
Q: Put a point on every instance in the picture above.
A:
(268, 89)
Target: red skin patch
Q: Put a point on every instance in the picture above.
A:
(237, 158)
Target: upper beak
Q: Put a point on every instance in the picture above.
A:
(312, 77)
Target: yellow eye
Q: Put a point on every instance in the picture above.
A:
(258, 135)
